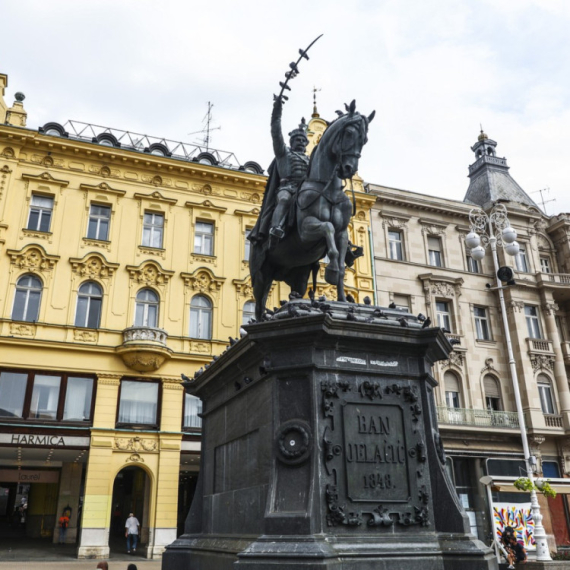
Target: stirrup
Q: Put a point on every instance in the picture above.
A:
(277, 232)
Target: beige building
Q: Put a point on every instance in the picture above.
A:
(422, 265)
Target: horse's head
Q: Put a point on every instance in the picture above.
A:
(346, 137)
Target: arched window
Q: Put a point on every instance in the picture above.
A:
(89, 300)
(452, 390)
(492, 390)
(146, 309)
(27, 299)
(248, 312)
(547, 402)
(201, 317)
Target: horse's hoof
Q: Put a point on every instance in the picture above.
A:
(331, 275)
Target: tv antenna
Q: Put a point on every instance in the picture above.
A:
(207, 128)
(543, 202)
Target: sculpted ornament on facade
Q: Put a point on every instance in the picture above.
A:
(542, 362)
(149, 273)
(135, 444)
(432, 230)
(489, 366)
(32, 259)
(20, 329)
(396, 223)
(134, 458)
(456, 359)
(513, 306)
(93, 266)
(203, 282)
(550, 308)
(202, 347)
(84, 336)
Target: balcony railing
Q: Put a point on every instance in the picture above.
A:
(145, 334)
(562, 278)
(540, 345)
(553, 421)
(566, 351)
(482, 418)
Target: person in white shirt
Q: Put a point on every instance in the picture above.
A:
(132, 532)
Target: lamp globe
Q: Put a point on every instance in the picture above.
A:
(478, 253)
(509, 235)
(512, 248)
(472, 240)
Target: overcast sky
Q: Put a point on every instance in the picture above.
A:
(432, 69)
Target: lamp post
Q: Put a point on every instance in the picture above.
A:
(494, 229)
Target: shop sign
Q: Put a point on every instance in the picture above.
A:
(43, 440)
(28, 476)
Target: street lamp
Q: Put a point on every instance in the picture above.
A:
(494, 229)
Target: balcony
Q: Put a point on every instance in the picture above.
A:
(566, 351)
(144, 349)
(478, 418)
(560, 278)
(551, 420)
(540, 346)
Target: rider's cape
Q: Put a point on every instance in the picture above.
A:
(260, 231)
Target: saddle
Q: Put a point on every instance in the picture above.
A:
(311, 190)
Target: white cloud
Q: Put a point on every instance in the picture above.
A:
(432, 70)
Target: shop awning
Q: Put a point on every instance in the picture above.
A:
(506, 484)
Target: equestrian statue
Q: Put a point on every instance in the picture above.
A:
(305, 212)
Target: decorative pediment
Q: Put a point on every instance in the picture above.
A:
(45, 177)
(149, 273)
(208, 204)
(432, 227)
(93, 265)
(254, 212)
(203, 281)
(441, 286)
(103, 187)
(155, 196)
(456, 360)
(32, 258)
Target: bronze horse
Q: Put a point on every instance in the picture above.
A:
(322, 214)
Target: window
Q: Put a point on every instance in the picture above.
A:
(89, 300)
(192, 407)
(473, 266)
(27, 299)
(545, 265)
(532, 321)
(402, 302)
(146, 309)
(492, 393)
(247, 245)
(99, 217)
(545, 393)
(443, 315)
(53, 397)
(248, 312)
(41, 209)
(521, 261)
(138, 403)
(153, 226)
(452, 390)
(434, 250)
(395, 242)
(204, 238)
(201, 317)
(78, 398)
(481, 323)
(12, 394)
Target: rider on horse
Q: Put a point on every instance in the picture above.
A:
(286, 175)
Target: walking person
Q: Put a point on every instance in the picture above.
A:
(132, 526)
(103, 565)
(63, 524)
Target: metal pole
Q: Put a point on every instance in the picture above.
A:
(542, 552)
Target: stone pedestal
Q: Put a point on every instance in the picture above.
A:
(321, 450)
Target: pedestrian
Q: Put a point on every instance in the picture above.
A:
(63, 524)
(132, 567)
(132, 526)
(103, 565)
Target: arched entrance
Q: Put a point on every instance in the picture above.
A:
(131, 494)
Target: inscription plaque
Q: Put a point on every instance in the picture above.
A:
(375, 453)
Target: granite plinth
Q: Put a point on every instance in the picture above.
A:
(321, 450)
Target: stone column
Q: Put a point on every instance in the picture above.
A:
(94, 540)
(70, 486)
(549, 308)
(163, 527)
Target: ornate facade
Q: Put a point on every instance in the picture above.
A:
(123, 264)
(422, 265)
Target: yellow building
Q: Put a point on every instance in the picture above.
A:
(123, 263)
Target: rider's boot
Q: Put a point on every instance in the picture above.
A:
(276, 234)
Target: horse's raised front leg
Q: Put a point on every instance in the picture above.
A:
(313, 229)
